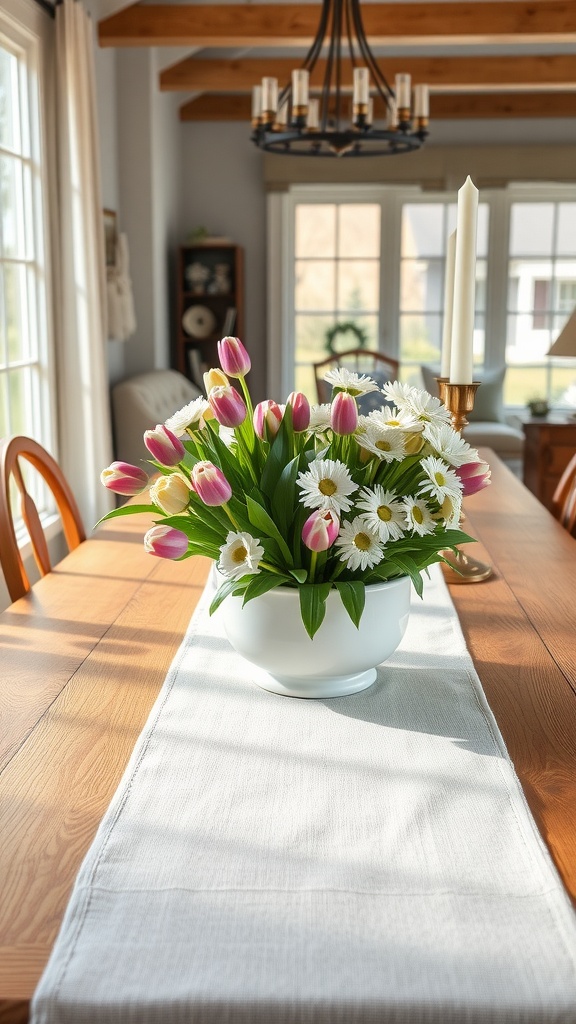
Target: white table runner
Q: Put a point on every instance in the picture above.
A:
(270, 860)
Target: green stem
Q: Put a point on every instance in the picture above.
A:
(339, 568)
(231, 518)
(247, 397)
(272, 568)
(313, 560)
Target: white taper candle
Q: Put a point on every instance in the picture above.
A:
(448, 305)
(461, 358)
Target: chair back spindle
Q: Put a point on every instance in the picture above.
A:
(12, 450)
(564, 499)
(358, 360)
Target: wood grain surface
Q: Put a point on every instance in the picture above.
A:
(85, 654)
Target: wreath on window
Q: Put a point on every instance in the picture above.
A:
(344, 328)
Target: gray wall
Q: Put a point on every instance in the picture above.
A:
(223, 190)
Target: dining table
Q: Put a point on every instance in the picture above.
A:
(84, 655)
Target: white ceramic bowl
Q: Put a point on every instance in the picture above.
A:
(340, 659)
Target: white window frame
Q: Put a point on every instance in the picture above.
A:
(27, 31)
(281, 245)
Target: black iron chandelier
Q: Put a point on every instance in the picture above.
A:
(295, 123)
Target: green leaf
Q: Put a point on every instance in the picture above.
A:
(259, 518)
(261, 584)
(197, 531)
(278, 457)
(283, 499)
(236, 587)
(409, 567)
(353, 594)
(301, 575)
(313, 597)
(128, 510)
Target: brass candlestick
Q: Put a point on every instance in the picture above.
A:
(459, 399)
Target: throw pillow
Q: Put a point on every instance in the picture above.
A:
(488, 404)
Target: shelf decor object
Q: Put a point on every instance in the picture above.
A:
(356, 111)
(210, 302)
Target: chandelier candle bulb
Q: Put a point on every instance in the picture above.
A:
(403, 97)
(269, 98)
(282, 116)
(300, 79)
(448, 306)
(313, 115)
(370, 114)
(360, 92)
(392, 116)
(256, 104)
(461, 354)
(421, 103)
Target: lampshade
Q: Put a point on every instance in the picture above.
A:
(565, 344)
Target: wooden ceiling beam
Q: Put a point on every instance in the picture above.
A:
(295, 24)
(219, 107)
(557, 71)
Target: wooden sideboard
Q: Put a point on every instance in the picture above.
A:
(549, 446)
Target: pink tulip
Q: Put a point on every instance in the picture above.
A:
(233, 357)
(227, 405)
(210, 484)
(320, 529)
(300, 410)
(164, 446)
(123, 478)
(344, 413)
(165, 542)
(474, 476)
(267, 419)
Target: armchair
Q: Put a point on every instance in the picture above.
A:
(488, 425)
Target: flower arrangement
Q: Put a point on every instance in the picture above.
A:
(313, 498)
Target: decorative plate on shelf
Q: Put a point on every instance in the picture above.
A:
(199, 322)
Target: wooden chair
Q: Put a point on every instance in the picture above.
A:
(359, 360)
(564, 498)
(12, 449)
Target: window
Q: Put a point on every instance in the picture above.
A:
(24, 308)
(426, 227)
(541, 294)
(375, 258)
(337, 282)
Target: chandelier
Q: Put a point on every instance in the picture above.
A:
(297, 123)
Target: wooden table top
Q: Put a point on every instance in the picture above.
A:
(84, 656)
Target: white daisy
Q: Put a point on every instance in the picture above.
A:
(190, 417)
(354, 383)
(448, 444)
(441, 481)
(228, 436)
(450, 511)
(319, 418)
(240, 555)
(422, 405)
(387, 443)
(418, 516)
(359, 546)
(400, 419)
(384, 513)
(327, 484)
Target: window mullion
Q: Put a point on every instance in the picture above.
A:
(497, 280)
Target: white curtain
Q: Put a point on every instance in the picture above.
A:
(85, 433)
